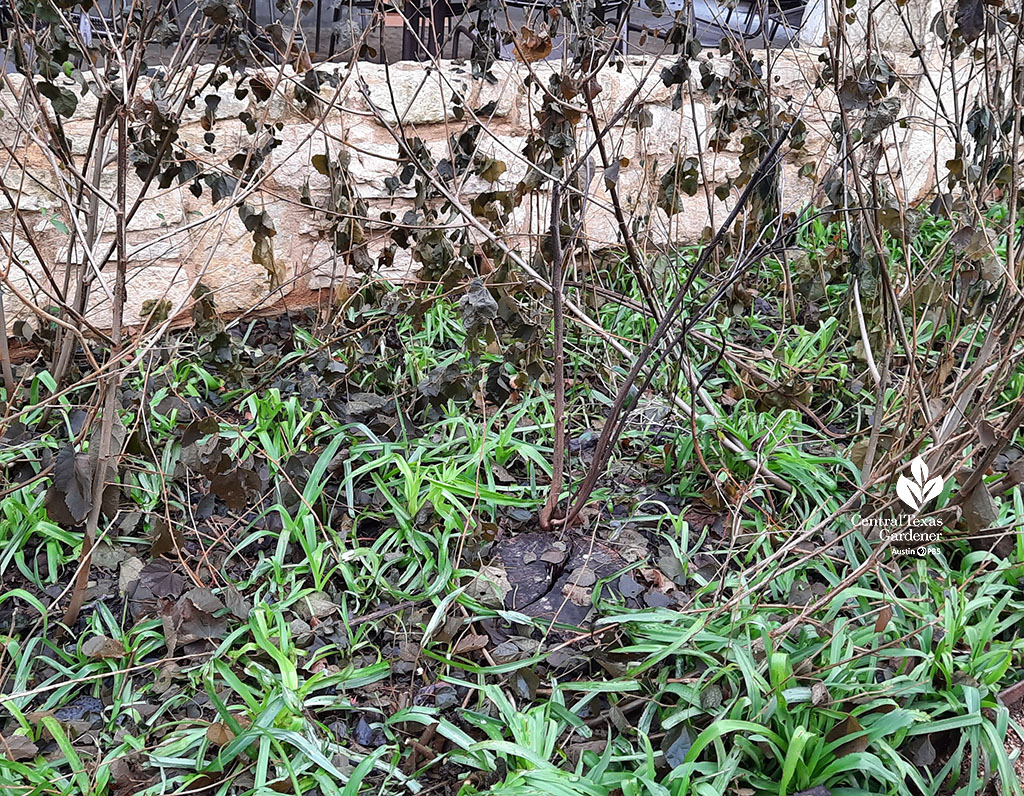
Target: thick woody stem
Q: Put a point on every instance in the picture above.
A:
(558, 459)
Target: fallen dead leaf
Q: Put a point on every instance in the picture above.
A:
(471, 643)
(980, 510)
(577, 594)
(160, 578)
(18, 747)
(131, 568)
(657, 579)
(219, 734)
(103, 647)
(848, 727)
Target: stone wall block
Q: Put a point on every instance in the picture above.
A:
(177, 237)
(505, 92)
(415, 95)
(151, 283)
(675, 131)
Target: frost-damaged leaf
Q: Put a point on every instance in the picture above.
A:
(856, 94)
(263, 254)
(221, 12)
(161, 580)
(884, 617)
(611, 175)
(970, 18)
(516, 648)
(322, 164)
(987, 433)
(131, 570)
(440, 695)
(368, 736)
(880, 118)
(103, 647)
(680, 181)
(68, 500)
(315, 605)
(526, 682)
(478, 307)
(922, 751)
(236, 603)
(18, 747)
(628, 587)
(444, 383)
(64, 102)
(980, 510)
(490, 169)
(532, 46)
(236, 486)
(204, 600)
(199, 429)
(960, 239)
(165, 538)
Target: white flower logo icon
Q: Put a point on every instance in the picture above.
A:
(916, 492)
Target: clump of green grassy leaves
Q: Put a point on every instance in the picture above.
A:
(343, 641)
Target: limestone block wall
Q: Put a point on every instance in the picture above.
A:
(178, 240)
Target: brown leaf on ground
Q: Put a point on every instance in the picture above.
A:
(130, 774)
(165, 538)
(219, 734)
(658, 580)
(192, 618)
(103, 647)
(848, 727)
(577, 595)
(161, 580)
(471, 643)
(18, 747)
(980, 509)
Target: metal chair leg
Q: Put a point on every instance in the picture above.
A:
(411, 14)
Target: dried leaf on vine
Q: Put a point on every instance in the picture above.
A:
(263, 254)
(970, 18)
(478, 307)
(531, 46)
(682, 180)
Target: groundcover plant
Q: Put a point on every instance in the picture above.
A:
(479, 398)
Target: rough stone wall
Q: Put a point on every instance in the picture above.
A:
(179, 240)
